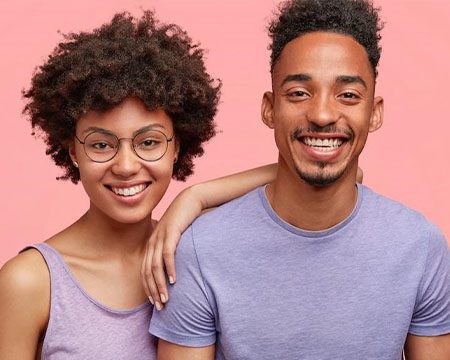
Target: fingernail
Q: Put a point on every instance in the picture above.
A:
(158, 306)
(163, 298)
(171, 280)
(151, 300)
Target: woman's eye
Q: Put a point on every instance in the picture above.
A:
(100, 146)
(149, 143)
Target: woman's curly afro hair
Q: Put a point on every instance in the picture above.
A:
(127, 57)
(356, 18)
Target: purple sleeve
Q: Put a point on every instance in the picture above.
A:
(432, 310)
(188, 318)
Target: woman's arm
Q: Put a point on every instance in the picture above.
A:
(24, 305)
(185, 208)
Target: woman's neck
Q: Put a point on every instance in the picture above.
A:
(105, 236)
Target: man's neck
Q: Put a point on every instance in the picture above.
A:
(309, 207)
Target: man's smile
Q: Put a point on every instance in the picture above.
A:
(322, 145)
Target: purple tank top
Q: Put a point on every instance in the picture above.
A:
(80, 327)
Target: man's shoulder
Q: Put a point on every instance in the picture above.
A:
(219, 228)
(395, 214)
(234, 212)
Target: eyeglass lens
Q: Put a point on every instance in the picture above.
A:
(149, 145)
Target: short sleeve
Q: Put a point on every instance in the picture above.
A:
(432, 309)
(187, 319)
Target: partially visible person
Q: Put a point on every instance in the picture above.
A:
(123, 108)
(313, 266)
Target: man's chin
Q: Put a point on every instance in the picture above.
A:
(319, 179)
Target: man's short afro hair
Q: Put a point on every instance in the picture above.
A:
(127, 57)
(356, 18)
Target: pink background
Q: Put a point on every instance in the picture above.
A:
(407, 159)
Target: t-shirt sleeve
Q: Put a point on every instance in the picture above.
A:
(431, 315)
(187, 319)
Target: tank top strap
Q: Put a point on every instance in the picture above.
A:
(60, 276)
(59, 272)
(78, 324)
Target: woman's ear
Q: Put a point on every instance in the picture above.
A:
(71, 148)
(176, 151)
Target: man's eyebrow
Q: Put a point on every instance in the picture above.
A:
(297, 78)
(350, 79)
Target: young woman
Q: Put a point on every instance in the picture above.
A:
(123, 109)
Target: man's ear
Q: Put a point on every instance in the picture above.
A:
(267, 109)
(376, 119)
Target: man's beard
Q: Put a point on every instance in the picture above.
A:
(319, 178)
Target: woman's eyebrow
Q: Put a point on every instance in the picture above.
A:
(105, 131)
(95, 128)
(149, 127)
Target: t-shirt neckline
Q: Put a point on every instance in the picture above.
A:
(308, 233)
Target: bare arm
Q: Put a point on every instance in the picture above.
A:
(185, 208)
(427, 347)
(169, 351)
(24, 305)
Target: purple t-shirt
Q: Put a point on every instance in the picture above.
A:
(262, 289)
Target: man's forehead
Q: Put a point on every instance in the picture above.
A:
(324, 54)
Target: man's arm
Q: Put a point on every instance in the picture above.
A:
(429, 333)
(427, 347)
(169, 351)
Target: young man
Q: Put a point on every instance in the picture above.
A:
(313, 266)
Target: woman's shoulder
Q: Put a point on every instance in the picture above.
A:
(24, 303)
(26, 276)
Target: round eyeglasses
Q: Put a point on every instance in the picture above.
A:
(148, 145)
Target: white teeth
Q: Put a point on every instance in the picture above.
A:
(133, 190)
(323, 144)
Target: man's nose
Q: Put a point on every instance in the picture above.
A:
(323, 111)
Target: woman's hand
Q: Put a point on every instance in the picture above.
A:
(160, 254)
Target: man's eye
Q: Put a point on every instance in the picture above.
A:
(349, 95)
(297, 94)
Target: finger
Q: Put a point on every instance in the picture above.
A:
(159, 271)
(154, 293)
(169, 249)
(143, 276)
(151, 284)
